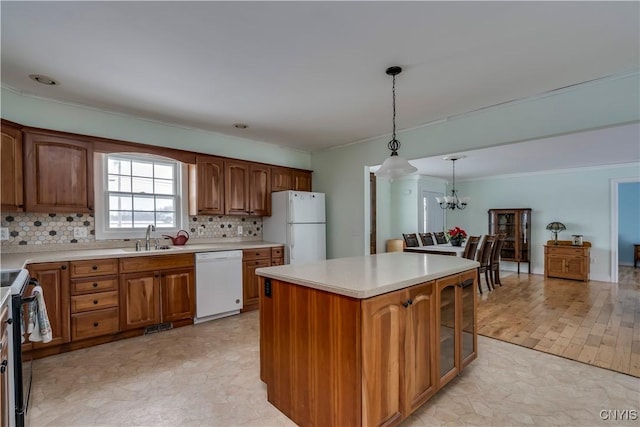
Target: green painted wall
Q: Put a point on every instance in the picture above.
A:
(338, 172)
(48, 114)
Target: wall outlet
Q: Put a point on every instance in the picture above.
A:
(201, 230)
(79, 232)
(4, 233)
(239, 230)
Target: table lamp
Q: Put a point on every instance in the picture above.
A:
(556, 227)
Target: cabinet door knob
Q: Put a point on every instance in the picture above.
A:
(9, 321)
(95, 301)
(64, 267)
(95, 324)
(95, 267)
(95, 285)
(3, 366)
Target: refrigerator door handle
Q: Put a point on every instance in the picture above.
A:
(293, 239)
(292, 210)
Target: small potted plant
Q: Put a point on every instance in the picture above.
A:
(457, 236)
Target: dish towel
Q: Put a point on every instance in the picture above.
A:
(39, 328)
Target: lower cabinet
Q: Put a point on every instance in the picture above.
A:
(565, 261)
(5, 388)
(456, 328)
(397, 327)
(54, 280)
(251, 260)
(328, 359)
(158, 295)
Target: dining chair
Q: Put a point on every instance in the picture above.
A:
(426, 238)
(441, 239)
(411, 240)
(484, 258)
(471, 248)
(495, 260)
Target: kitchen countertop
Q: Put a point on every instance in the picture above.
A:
(368, 276)
(20, 260)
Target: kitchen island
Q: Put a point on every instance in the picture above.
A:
(365, 341)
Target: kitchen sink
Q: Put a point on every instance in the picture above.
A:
(153, 250)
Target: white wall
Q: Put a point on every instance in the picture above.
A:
(338, 172)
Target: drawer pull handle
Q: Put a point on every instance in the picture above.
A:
(9, 321)
(95, 285)
(95, 324)
(95, 267)
(3, 366)
(95, 301)
(64, 267)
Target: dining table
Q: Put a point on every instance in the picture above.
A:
(443, 249)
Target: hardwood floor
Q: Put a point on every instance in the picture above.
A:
(592, 322)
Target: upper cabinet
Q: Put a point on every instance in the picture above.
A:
(247, 188)
(290, 179)
(281, 179)
(301, 180)
(206, 186)
(58, 173)
(11, 194)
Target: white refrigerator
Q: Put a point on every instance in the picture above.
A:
(298, 221)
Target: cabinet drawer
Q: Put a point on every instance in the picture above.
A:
(99, 284)
(277, 261)
(80, 303)
(257, 263)
(94, 324)
(96, 267)
(567, 251)
(261, 253)
(157, 262)
(277, 252)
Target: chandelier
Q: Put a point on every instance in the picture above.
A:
(453, 201)
(395, 166)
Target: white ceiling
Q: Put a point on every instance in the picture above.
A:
(311, 75)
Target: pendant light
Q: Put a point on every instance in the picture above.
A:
(395, 166)
(453, 201)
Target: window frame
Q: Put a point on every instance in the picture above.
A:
(102, 230)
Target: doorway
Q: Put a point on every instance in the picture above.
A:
(615, 215)
(372, 218)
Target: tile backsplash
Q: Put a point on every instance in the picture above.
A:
(44, 229)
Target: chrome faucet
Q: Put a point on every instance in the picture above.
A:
(147, 242)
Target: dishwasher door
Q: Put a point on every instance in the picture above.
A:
(218, 285)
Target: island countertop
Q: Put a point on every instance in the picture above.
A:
(368, 276)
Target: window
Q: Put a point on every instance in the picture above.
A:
(138, 190)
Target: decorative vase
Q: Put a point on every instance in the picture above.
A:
(455, 241)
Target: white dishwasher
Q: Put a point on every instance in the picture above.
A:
(218, 285)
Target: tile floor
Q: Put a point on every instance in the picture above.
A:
(208, 375)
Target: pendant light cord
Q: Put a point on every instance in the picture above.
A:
(394, 144)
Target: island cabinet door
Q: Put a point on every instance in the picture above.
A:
(420, 347)
(384, 323)
(447, 324)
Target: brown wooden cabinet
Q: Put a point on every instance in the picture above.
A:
(54, 280)
(58, 172)
(247, 188)
(515, 224)
(156, 289)
(5, 366)
(94, 298)
(456, 320)
(252, 259)
(11, 185)
(206, 186)
(404, 322)
(329, 359)
(283, 179)
(565, 261)
(301, 180)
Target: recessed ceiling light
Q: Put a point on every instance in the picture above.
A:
(240, 126)
(45, 80)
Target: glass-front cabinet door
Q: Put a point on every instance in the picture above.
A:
(448, 364)
(468, 323)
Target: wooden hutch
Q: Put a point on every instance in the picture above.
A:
(515, 224)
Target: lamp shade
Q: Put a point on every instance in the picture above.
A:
(395, 167)
(556, 226)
